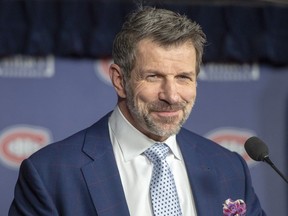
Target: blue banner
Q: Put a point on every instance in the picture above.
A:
(44, 100)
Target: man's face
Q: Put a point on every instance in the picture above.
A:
(162, 88)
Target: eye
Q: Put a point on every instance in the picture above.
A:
(152, 77)
(185, 77)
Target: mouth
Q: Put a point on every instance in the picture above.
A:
(167, 113)
(164, 112)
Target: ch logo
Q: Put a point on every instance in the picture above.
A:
(19, 142)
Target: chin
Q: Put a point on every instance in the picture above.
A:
(166, 131)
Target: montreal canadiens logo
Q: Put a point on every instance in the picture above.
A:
(19, 142)
(102, 70)
(232, 139)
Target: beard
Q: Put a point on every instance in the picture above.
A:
(163, 126)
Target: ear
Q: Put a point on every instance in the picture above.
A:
(117, 80)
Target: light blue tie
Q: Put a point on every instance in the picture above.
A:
(163, 191)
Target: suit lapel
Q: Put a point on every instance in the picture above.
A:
(202, 177)
(104, 183)
(101, 175)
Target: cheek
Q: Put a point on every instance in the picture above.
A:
(145, 94)
(188, 94)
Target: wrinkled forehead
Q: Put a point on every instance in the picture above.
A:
(142, 44)
(153, 55)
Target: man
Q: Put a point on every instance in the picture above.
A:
(107, 169)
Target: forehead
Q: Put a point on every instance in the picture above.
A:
(147, 43)
(149, 52)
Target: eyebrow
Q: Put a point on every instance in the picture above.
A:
(188, 73)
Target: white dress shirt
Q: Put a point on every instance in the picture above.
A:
(136, 170)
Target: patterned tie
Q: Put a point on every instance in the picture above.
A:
(163, 191)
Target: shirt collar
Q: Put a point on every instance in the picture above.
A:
(131, 141)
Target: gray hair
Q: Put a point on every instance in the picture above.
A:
(162, 26)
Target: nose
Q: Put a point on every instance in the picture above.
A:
(169, 92)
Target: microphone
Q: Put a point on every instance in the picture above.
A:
(259, 151)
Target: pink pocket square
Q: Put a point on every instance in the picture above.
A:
(234, 208)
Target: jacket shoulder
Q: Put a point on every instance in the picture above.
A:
(74, 144)
(201, 141)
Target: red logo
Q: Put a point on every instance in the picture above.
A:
(232, 139)
(18, 143)
(102, 70)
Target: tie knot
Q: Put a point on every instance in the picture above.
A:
(158, 151)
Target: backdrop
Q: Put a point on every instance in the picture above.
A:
(47, 99)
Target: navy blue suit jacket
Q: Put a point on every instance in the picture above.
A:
(79, 176)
